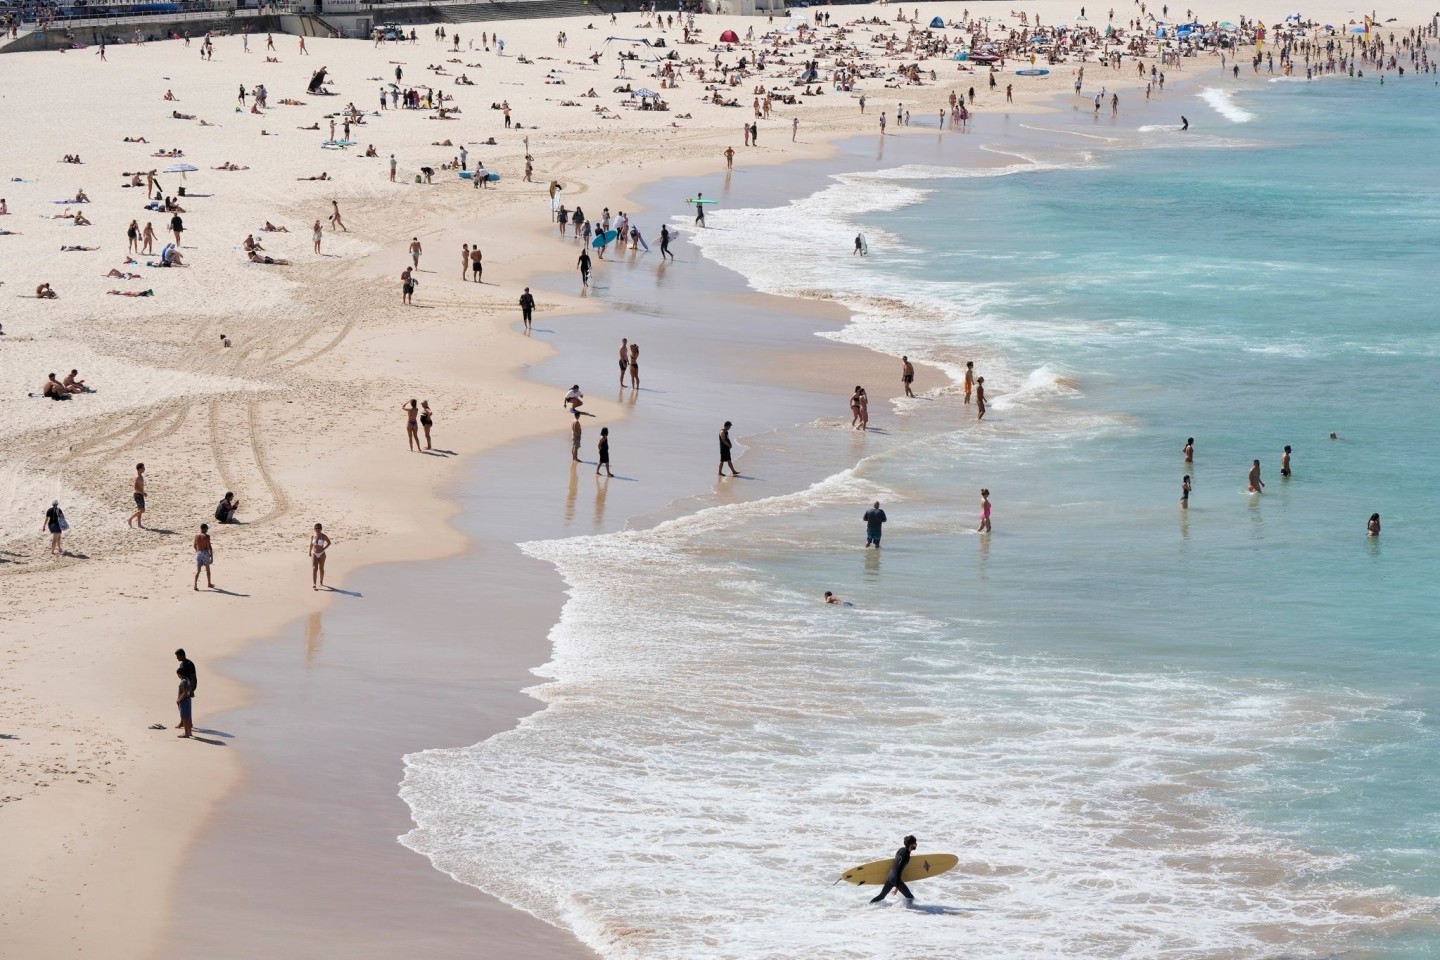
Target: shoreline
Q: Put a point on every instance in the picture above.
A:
(419, 544)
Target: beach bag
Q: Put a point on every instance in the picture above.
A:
(64, 524)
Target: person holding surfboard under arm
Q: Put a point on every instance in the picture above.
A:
(893, 881)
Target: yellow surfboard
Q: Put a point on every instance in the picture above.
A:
(921, 865)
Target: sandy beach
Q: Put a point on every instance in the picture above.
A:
(301, 417)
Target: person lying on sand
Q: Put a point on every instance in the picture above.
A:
(256, 258)
(323, 176)
(207, 123)
(78, 249)
(181, 116)
(44, 292)
(271, 228)
(293, 103)
(136, 140)
(442, 143)
(115, 274)
(227, 165)
(313, 126)
(131, 293)
(176, 152)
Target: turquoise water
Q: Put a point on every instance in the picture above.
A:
(1147, 732)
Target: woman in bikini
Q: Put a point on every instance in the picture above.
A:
(319, 543)
(635, 366)
(132, 233)
(855, 406)
(412, 425)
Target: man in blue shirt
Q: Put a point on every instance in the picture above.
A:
(874, 517)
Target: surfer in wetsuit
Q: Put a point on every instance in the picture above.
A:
(700, 209)
(897, 870)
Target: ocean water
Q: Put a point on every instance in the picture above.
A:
(1147, 733)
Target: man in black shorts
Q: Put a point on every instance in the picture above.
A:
(725, 452)
(907, 375)
(527, 307)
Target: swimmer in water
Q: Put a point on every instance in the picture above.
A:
(1185, 493)
(1189, 450)
(1256, 484)
(1285, 462)
(831, 598)
(1372, 528)
(1184, 124)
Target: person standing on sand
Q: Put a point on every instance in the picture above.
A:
(427, 420)
(1285, 462)
(1185, 493)
(665, 243)
(604, 451)
(55, 524)
(584, 264)
(855, 407)
(335, 220)
(575, 433)
(182, 700)
(392, 156)
(984, 511)
(407, 286)
(874, 519)
(969, 380)
(319, 543)
(137, 519)
(477, 266)
(132, 234)
(527, 308)
(465, 261)
(177, 227)
(895, 880)
(624, 359)
(317, 233)
(754, 134)
(147, 238)
(729, 158)
(1256, 484)
(725, 447)
(634, 366)
(415, 252)
(187, 670)
(412, 426)
(979, 398)
(907, 375)
(204, 556)
(1189, 450)
(794, 128)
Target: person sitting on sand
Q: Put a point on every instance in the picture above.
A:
(74, 384)
(252, 245)
(80, 196)
(271, 228)
(131, 293)
(54, 388)
(169, 257)
(256, 258)
(4, 208)
(135, 180)
(225, 510)
(169, 95)
(370, 151)
(45, 292)
(323, 176)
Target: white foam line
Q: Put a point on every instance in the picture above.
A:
(1223, 103)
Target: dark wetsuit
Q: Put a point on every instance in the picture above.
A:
(893, 881)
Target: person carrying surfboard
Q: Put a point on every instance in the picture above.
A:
(893, 881)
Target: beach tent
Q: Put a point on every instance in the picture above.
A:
(729, 37)
(937, 24)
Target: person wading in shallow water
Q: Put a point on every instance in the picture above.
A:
(897, 870)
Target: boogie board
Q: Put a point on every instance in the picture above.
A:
(603, 239)
(1031, 73)
(921, 866)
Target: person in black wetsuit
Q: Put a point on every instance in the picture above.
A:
(893, 881)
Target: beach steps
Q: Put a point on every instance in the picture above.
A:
(518, 9)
